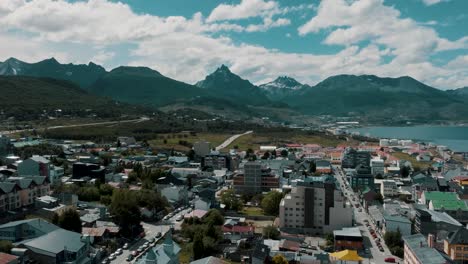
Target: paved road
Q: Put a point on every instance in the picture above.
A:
(375, 255)
(141, 119)
(228, 141)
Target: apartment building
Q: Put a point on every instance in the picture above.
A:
(315, 206)
(388, 188)
(17, 192)
(417, 250)
(456, 245)
(255, 178)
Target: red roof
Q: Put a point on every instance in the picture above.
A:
(460, 178)
(289, 245)
(238, 229)
(7, 258)
(294, 145)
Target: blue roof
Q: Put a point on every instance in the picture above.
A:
(56, 241)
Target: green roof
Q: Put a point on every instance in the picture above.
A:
(446, 196)
(449, 205)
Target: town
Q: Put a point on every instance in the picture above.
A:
(126, 201)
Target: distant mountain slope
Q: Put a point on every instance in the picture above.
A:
(142, 85)
(281, 87)
(83, 75)
(224, 84)
(461, 93)
(369, 95)
(28, 98)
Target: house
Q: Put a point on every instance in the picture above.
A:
(457, 209)
(456, 245)
(35, 166)
(175, 194)
(323, 166)
(424, 157)
(18, 192)
(25, 229)
(260, 254)
(165, 253)
(417, 250)
(58, 246)
(235, 229)
(126, 141)
(348, 238)
(394, 223)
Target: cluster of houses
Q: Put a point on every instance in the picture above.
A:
(428, 208)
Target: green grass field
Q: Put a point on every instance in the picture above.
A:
(414, 162)
(172, 140)
(253, 211)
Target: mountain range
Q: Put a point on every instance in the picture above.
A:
(367, 97)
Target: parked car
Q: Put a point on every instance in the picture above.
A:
(119, 251)
(111, 256)
(105, 261)
(166, 218)
(134, 253)
(129, 258)
(158, 235)
(179, 217)
(151, 240)
(125, 246)
(390, 260)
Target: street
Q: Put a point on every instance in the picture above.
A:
(151, 229)
(228, 141)
(360, 216)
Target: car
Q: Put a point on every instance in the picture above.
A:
(179, 217)
(129, 258)
(105, 261)
(118, 251)
(381, 249)
(140, 249)
(125, 246)
(158, 235)
(111, 256)
(146, 244)
(390, 260)
(166, 218)
(134, 253)
(189, 210)
(151, 240)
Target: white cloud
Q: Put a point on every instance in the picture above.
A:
(354, 21)
(245, 9)
(187, 49)
(433, 2)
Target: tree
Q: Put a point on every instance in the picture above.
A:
(231, 201)
(266, 155)
(213, 217)
(198, 247)
(312, 167)
(378, 197)
(284, 153)
(191, 154)
(330, 239)
(5, 246)
(270, 203)
(70, 220)
(279, 259)
(125, 210)
(270, 232)
(405, 171)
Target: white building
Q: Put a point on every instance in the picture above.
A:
(388, 188)
(384, 142)
(315, 206)
(377, 166)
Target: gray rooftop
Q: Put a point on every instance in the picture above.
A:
(56, 241)
(418, 245)
(348, 231)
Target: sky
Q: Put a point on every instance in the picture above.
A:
(259, 40)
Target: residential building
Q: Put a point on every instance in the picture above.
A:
(323, 166)
(25, 229)
(456, 245)
(255, 178)
(235, 230)
(362, 181)
(417, 250)
(165, 253)
(58, 246)
(422, 183)
(352, 158)
(377, 166)
(5, 146)
(388, 188)
(427, 197)
(315, 206)
(209, 260)
(90, 170)
(336, 158)
(18, 192)
(393, 223)
(35, 166)
(202, 148)
(216, 162)
(126, 141)
(457, 209)
(430, 222)
(348, 238)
